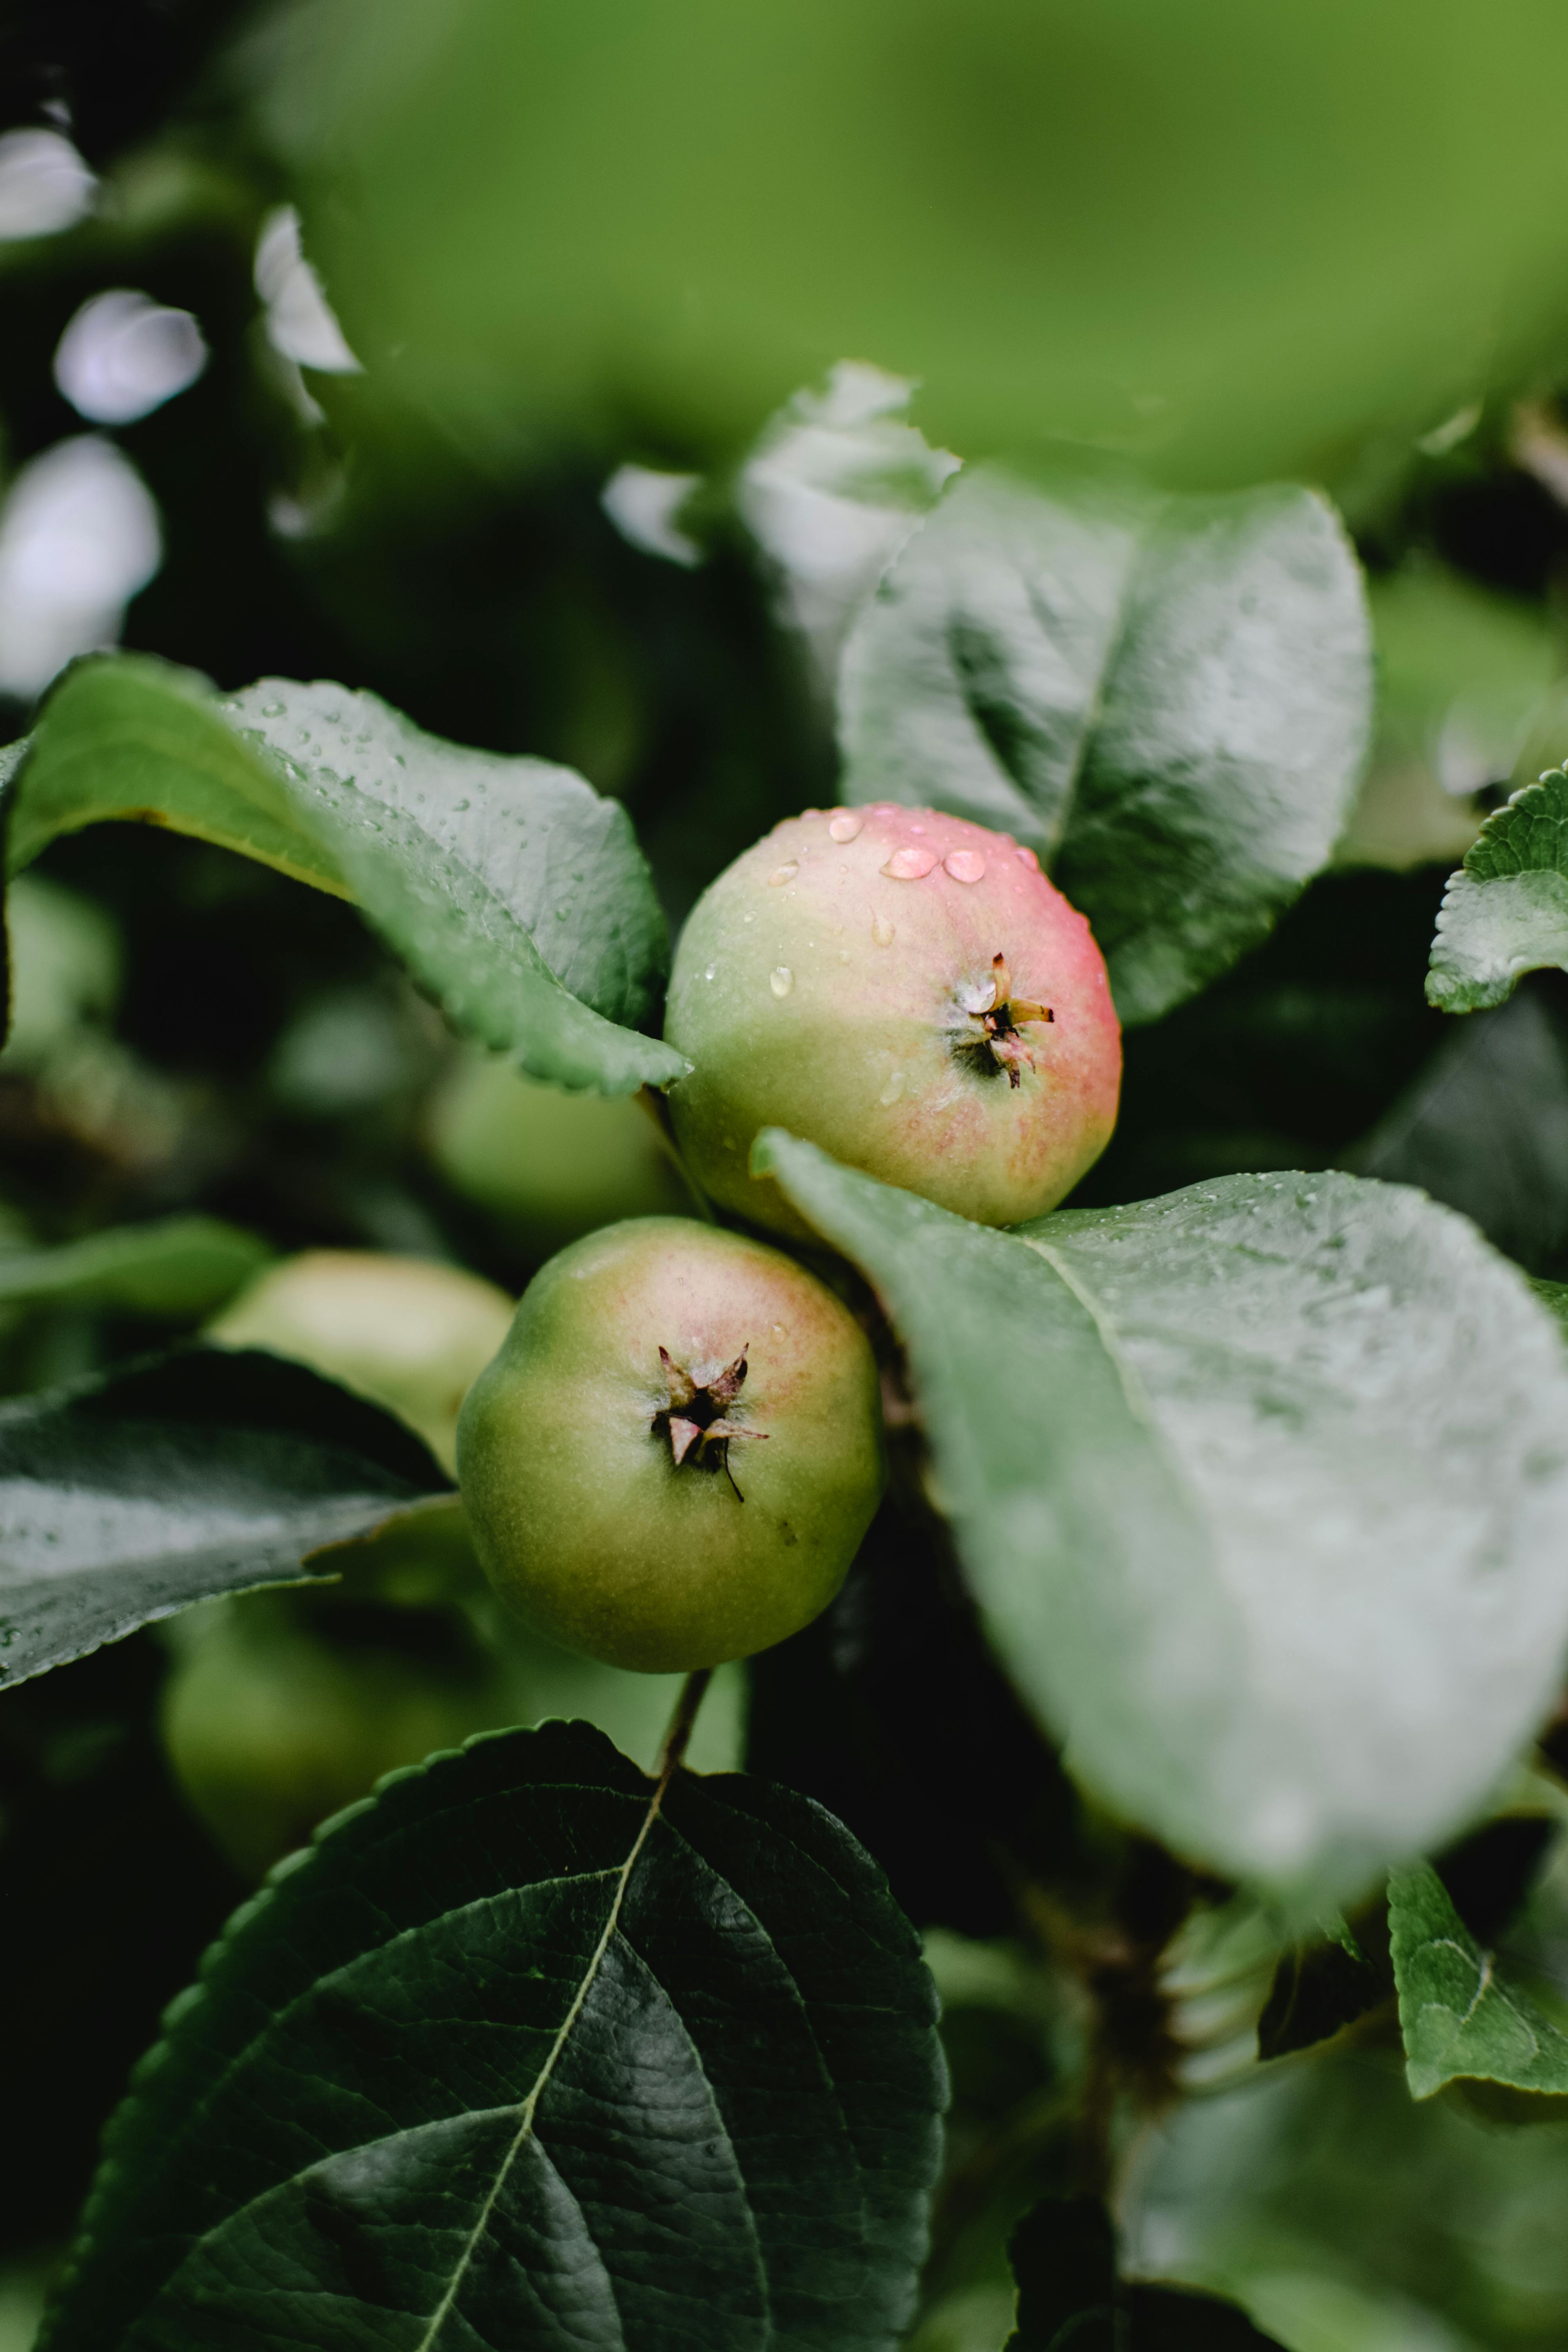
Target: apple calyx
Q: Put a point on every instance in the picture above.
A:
(696, 1419)
(990, 1042)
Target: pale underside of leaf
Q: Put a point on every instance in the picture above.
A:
(1491, 933)
(1246, 1519)
(1505, 912)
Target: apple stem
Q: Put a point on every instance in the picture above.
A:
(681, 1724)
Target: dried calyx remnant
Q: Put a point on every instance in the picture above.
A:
(989, 1042)
(697, 1421)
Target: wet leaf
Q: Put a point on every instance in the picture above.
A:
(125, 1497)
(515, 894)
(1261, 1488)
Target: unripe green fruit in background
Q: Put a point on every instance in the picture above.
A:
(403, 1331)
(674, 1457)
(549, 1166)
(284, 1707)
(906, 990)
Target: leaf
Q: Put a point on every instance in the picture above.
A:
(1554, 1296)
(1261, 1488)
(1505, 912)
(1318, 1990)
(1071, 2299)
(1348, 2217)
(1461, 2011)
(1484, 1128)
(127, 1496)
(1205, 228)
(520, 2055)
(515, 894)
(1167, 698)
(173, 1268)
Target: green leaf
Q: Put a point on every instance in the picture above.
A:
(1484, 1128)
(519, 2056)
(1505, 912)
(125, 1497)
(1461, 2013)
(173, 1268)
(1071, 2299)
(126, 737)
(1261, 1488)
(1318, 1990)
(1554, 1296)
(1167, 698)
(1351, 2219)
(515, 894)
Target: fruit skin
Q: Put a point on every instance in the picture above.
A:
(582, 1518)
(816, 991)
(403, 1331)
(549, 1166)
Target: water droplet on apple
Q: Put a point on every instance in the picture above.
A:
(882, 931)
(845, 825)
(783, 874)
(965, 865)
(909, 864)
(781, 980)
(892, 1091)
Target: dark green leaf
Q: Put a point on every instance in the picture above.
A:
(513, 2058)
(1070, 2298)
(1262, 1490)
(1505, 912)
(1318, 1990)
(516, 895)
(1484, 1128)
(210, 1470)
(178, 1269)
(1167, 698)
(1461, 2012)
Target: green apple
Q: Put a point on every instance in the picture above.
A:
(407, 1332)
(673, 1458)
(549, 1166)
